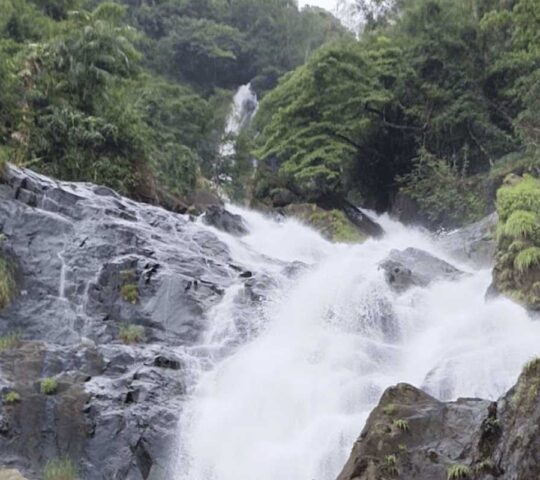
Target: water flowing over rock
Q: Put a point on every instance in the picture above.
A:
(176, 345)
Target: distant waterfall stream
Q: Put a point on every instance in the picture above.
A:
(282, 390)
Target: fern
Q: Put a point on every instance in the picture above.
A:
(521, 225)
(527, 258)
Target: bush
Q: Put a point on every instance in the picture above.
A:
(60, 469)
(131, 334)
(12, 397)
(10, 341)
(130, 293)
(49, 386)
(517, 263)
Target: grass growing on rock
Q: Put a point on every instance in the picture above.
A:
(49, 386)
(7, 283)
(401, 424)
(457, 472)
(130, 293)
(11, 397)
(389, 465)
(60, 469)
(131, 334)
(10, 341)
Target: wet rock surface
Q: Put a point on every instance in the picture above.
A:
(411, 435)
(411, 267)
(89, 264)
(218, 217)
(475, 243)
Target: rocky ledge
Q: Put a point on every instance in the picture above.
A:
(412, 436)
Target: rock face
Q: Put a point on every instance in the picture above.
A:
(413, 436)
(414, 267)
(475, 243)
(89, 264)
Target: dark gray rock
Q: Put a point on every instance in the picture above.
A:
(413, 267)
(412, 436)
(88, 262)
(474, 243)
(224, 220)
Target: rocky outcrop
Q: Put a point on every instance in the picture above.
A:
(413, 267)
(222, 219)
(475, 243)
(91, 265)
(412, 436)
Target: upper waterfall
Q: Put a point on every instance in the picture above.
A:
(282, 390)
(243, 109)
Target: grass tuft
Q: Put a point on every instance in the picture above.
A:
(12, 397)
(49, 386)
(401, 424)
(10, 341)
(457, 472)
(131, 334)
(60, 469)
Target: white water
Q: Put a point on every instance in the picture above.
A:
(243, 109)
(290, 402)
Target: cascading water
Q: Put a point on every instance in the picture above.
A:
(287, 397)
(243, 109)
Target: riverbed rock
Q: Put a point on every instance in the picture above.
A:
(222, 219)
(412, 436)
(411, 267)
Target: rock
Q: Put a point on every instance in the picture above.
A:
(414, 267)
(89, 261)
(474, 243)
(364, 222)
(11, 474)
(412, 436)
(281, 197)
(218, 217)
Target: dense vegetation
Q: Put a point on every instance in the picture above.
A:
(438, 101)
(134, 94)
(517, 268)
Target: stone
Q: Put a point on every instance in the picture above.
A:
(411, 267)
(222, 219)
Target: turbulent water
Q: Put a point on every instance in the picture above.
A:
(282, 391)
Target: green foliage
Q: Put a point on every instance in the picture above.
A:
(131, 334)
(48, 386)
(10, 341)
(389, 465)
(12, 397)
(60, 469)
(517, 267)
(442, 192)
(526, 259)
(401, 424)
(390, 409)
(7, 282)
(456, 472)
(130, 293)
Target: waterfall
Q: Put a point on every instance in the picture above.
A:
(244, 107)
(287, 397)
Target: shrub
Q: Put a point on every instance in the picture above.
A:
(12, 397)
(527, 258)
(60, 469)
(456, 472)
(9, 341)
(130, 293)
(131, 333)
(401, 424)
(49, 386)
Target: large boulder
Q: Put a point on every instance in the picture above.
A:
(475, 243)
(414, 267)
(222, 219)
(412, 436)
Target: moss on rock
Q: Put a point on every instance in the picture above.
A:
(517, 262)
(7, 282)
(332, 224)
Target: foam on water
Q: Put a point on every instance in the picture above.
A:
(289, 402)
